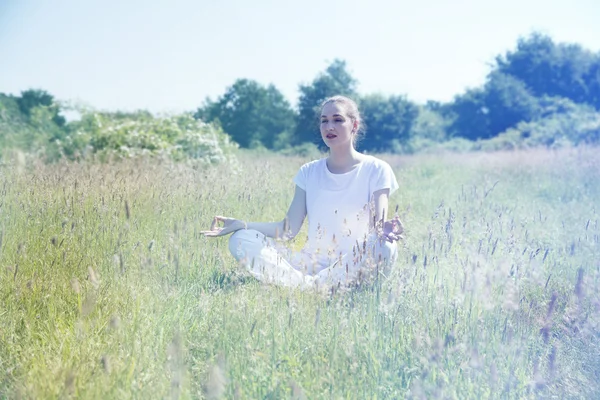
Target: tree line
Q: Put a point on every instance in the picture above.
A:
(540, 93)
(537, 80)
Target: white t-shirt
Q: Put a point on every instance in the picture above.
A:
(338, 205)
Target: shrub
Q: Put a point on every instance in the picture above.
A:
(580, 126)
(122, 135)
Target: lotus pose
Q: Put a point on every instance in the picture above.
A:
(345, 197)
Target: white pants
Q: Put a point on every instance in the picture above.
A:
(272, 263)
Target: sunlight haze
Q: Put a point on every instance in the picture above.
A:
(168, 56)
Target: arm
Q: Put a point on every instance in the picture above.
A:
(289, 227)
(285, 229)
(391, 228)
(381, 200)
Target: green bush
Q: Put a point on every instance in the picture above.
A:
(561, 123)
(121, 135)
(28, 133)
(579, 125)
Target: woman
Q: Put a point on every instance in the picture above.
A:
(345, 197)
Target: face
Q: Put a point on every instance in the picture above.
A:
(337, 128)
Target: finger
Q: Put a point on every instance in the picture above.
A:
(398, 226)
(216, 220)
(226, 231)
(392, 237)
(213, 225)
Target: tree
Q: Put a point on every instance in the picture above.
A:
(502, 103)
(32, 123)
(430, 124)
(336, 80)
(546, 68)
(592, 78)
(388, 120)
(32, 98)
(250, 113)
(508, 102)
(469, 115)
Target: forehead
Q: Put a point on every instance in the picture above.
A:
(333, 108)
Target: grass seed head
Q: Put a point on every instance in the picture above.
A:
(88, 304)
(70, 383)
(579, 292)
(297, 392)
(115, 322)
(75, 285)
(216, 382)
(93, 278)
(105, 362)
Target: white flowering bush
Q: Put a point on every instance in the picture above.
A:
(129, 135)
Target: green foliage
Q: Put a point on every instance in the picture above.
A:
(336, 80)
(389, 121)
(128, 135)
(430, 124)
(518, 85)
(32, 124)
(483, 113)
(557, 129)
(36, 98)
(468, 115)
(508, 102)
(429, 132)
(560, 70)
(525, 100)
(515, 92)
(13, 125)
(253, 115)
(34, 130)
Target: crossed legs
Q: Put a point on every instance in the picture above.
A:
(270, 263)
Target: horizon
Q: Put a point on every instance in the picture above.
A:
(168, 57)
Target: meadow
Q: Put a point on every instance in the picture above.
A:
(108, 289)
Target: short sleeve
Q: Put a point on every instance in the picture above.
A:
(300, 178)
(384, 178)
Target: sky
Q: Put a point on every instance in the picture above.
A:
(169, 55)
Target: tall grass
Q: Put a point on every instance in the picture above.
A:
(107, 289)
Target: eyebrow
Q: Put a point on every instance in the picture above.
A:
(334, 115)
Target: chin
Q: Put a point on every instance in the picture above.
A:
(337, 144)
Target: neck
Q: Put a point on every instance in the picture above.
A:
(343, 158)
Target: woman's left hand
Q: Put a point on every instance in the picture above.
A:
(392, 230)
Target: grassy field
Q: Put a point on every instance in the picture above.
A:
(107, 289)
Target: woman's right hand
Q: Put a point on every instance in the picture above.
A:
(230, 225)
(392, 230)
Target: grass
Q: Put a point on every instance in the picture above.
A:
(107, 289)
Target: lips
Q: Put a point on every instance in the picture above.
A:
(331, 136)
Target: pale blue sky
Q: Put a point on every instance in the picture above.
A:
(168, 55)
